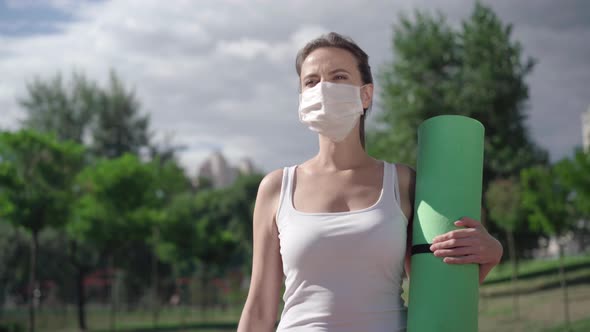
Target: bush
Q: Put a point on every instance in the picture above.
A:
(12, 327)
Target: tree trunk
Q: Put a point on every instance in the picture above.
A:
(204, 293)
(584, 235)
(114, 282)
(33, 281)
(81, 298)
(81, 271)
(3, 298)
(186, 302)
(562, 278)
(512, 253)
(155, 281)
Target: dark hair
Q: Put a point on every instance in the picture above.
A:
(336, 40)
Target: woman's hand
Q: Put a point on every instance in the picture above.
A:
(472, 244)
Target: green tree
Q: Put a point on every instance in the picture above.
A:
(108, 118)
(105, 118)
(117, 208)
(416, 86)
(83, 257)
(211, 225)
(476, 71)
(240, 200)
(13, 271)
(66, 111)
(170, 181)
(209, 228)
(574, 174)
(119, 127)
(549, 208)
(503, 200)
(36, 176)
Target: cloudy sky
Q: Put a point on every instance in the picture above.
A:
(219, 75)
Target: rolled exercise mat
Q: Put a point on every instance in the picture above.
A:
(444, 297)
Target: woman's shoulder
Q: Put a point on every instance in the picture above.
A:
(271, 182)
(406, 177)
(402, 169)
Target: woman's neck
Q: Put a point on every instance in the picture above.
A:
(348, 154)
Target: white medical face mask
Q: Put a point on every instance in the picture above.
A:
(331, 109)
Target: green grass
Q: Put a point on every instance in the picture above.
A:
(534, 268)
(98, 319)
(535, 276)
(540, 303)
(582, 325)
(540, 298)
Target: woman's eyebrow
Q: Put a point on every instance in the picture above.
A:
(310, 76)
(338, 70)
(331, 72)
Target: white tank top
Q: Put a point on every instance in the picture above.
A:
(343, 269)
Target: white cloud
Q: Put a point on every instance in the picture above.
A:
(220, 74)
(275, 51)
(244, 48)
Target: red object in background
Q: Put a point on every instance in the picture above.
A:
(183, 281)
(99, 278)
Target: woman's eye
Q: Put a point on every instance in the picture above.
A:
(309, 83)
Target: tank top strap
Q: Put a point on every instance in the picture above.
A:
(286, 192)
(395, 183)
(388, 194)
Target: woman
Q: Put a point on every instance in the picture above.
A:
(338, 226)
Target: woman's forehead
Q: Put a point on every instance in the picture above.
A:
(328, 58)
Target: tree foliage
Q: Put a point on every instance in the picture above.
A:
(476, 71)
(546, 199)
(117, 204)
(119, 128)
(108, 119)
(212, 226)
(575, 174)
(66, 111)
(503, 200)
(36, 175)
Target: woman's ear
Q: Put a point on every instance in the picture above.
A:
(367, 95)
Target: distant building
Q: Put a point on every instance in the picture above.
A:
(586, 129)
(246, 166)
(221, 174)
(574, 243)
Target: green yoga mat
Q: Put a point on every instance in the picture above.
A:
(444, 297)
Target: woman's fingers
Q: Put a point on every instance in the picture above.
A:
(456, 234)
(461, 260)
(461, 251)
(471, 244)
(468, 222)
(453, 243)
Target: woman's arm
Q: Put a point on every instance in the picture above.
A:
(407, 185)
(260, 310)
(471, 244)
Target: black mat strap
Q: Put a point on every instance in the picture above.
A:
(421, 249)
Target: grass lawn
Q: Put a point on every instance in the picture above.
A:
(540, 299)
(540, 303)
